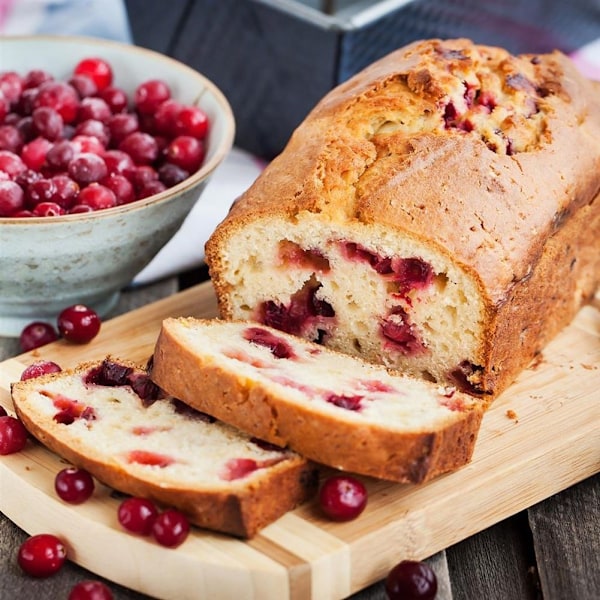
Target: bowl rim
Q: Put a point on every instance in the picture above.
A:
(221, 151)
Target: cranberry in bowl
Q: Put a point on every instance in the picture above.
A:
(105, 148)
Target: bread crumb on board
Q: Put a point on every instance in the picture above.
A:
(511, 414)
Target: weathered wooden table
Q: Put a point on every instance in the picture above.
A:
(550, 551)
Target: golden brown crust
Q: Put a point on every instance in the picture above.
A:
(513, 220)
(240, 514)
(377, 451)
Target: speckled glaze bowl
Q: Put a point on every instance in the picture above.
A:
(49, 263)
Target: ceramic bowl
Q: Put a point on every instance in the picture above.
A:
(49, 263)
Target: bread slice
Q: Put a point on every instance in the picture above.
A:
(111, 420)
(330, 407)
(438, 213)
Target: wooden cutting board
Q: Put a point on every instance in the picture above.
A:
(539, 438)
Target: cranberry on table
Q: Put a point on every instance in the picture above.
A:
(37, 334)
(74, 485)
(78, 323)
(42, 555)
(90, 590)
(13, 435)
(411, 580)
(170, 528)
(137, 515)
(39, 368)
(342, 497)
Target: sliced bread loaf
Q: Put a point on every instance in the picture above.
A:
(111, 420)
(330, 407)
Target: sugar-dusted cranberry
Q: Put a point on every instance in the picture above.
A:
(94, 128)
(97, 69)
(186, 152)
(121, 125)
(137, 515)
(61, 97)
(115, 98)
(47, 122)
(87, 143)
(11, 163)
(170, 528)
(13, 435)
(97, 197)
(11, 86)
(36, 77)
(36, 334)
(74, 485)
(141, 146)
(83, 85)
(11, 138)
(87, 168)
(342, 497)
(39, 368)
(90, 590)
(42, 555)
(94, 108)
(411, 580)
(60, 154)
(12, 198)
(66, 191)
(149, 95)
(78, 323)
(41, 190)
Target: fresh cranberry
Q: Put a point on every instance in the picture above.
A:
(60, 154)
(39, 368)
(94, 128)
(121, 125)
(94, 108)
(137, 515)
(41, 190)
(13, 435)
(11, 85)
(411, 580)
(83, 85)
(141, 176)
(66, 191)
(74, 485)
(88, 144)
(87, 168)
(48, 123)
(191, 120)
(11, 138)
(149, 95)
(141, 146)
(150, 189)
(11, 163)
(172, 175)
(170, 528)
(97, 69)
(36, 334)
(166, 116)
(97, 197)
(78, 324)
(121, 187)
(12, 198)
(61, 97)
(42, 555)
(186, 152)
(342, 498)
(90, 590)
(48, 209)
(117, 161)
(36, 77)
(34, 153)
(116, 99)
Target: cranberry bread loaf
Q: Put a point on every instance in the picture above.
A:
(110, 419)
(437, 213)
(330, 407)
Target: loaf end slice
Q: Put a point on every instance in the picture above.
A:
(330, 407)
(111, 420)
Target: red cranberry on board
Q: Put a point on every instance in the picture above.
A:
(137, 515)
(411, 580)
(90, 590)
(42, 555)
(74, 485)
(13, 435)
(170, 528)
(36, 334)
(342, 497)
(78, 323)
(39, 368)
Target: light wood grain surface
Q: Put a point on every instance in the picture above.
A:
(549, 445)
